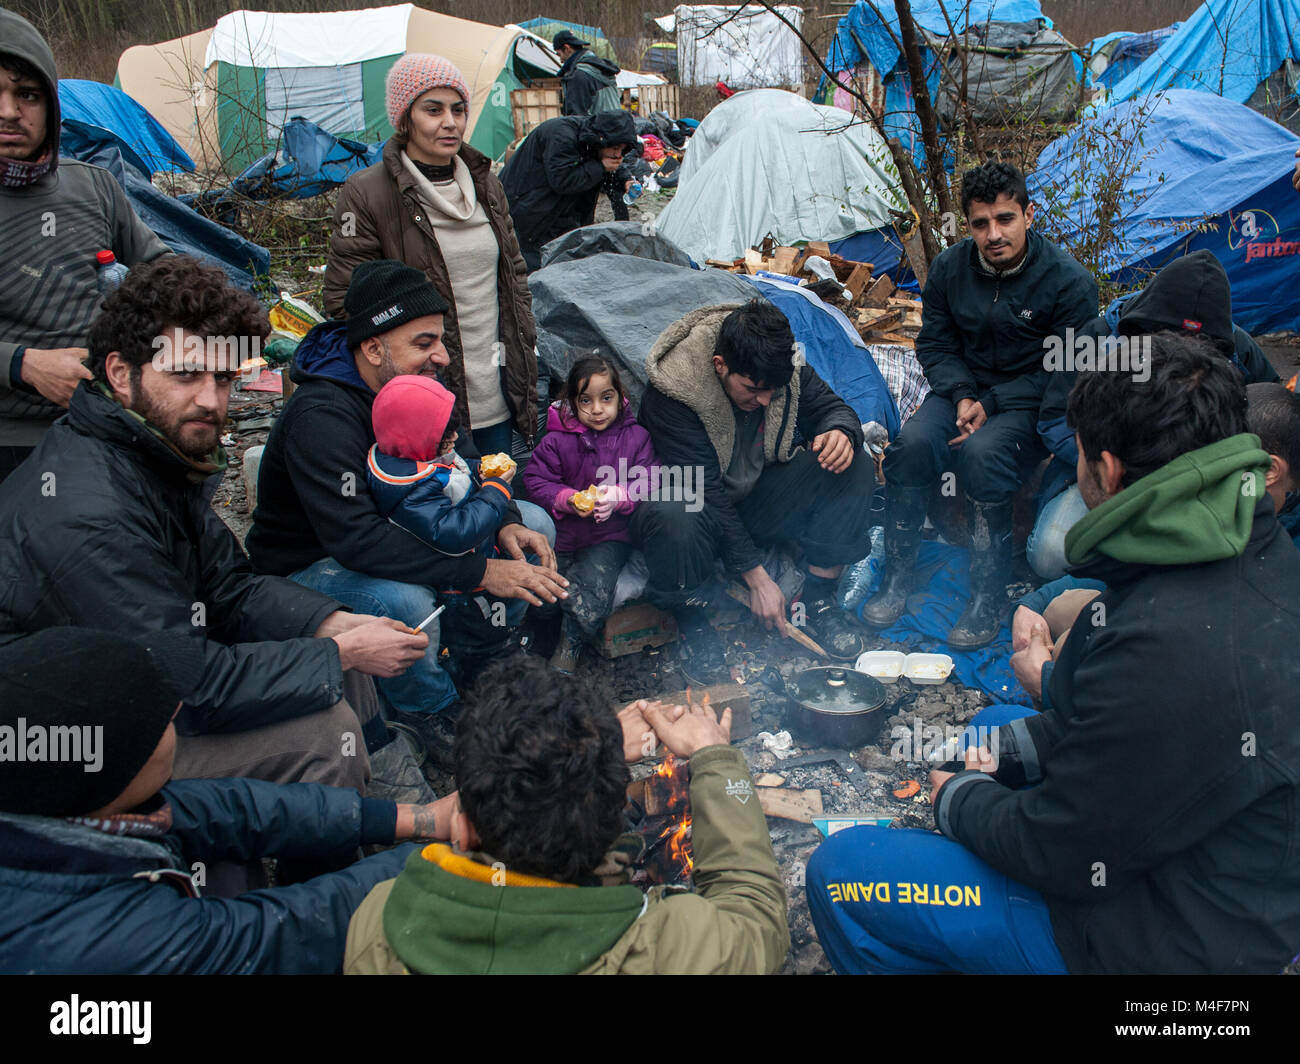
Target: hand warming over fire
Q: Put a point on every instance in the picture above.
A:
(638, 737)
(690, 732)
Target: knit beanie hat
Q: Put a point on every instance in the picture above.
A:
(410, 416)
(384, 294)
(82, 711)
(414, 75)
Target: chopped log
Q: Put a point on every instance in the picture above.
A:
(783, 260)
(801, 806)
(879, 292)
(858, 280)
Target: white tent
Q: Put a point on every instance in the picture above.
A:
(769, 161)
(746, 47)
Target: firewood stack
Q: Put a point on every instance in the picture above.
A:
(880, 315)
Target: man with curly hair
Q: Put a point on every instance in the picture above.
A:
(991, 304)
(542, 768)
(108, 528)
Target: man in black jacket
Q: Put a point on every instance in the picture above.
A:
(990, 305)
(108, 528)
(589, 79)
(1146, 820)
(777, 453)
(317, 521)
(555, 178)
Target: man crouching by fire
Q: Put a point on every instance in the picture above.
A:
(541, 765)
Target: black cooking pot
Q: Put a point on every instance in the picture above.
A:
(836, 707)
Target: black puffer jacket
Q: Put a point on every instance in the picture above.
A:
(555, 178)
(102, 528)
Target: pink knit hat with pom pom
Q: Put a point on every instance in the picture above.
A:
(414, 75)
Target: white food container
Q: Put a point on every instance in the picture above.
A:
(927, 668)
(884, 665)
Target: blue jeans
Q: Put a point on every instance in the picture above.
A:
(912, 902)
(494, 439)
(425, 687)
(1046, 547)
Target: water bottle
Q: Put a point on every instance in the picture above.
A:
(110, 272)
(863, 577)
(633, 194)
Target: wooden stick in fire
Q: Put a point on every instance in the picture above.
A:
(741, 595)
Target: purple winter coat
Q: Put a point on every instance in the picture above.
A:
(568, 459)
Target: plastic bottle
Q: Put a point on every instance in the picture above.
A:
(109, 272)
(633, 194)
(862, 577)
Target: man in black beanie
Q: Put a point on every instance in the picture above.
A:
(103, 861)
(555, 178)
(316, 520)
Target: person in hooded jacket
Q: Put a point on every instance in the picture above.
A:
(1145, 821)
(56, 215)
(555, 177)
(433, 203)
(1190, 294)
(589, 79)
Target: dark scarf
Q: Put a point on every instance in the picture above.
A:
(17, 173)
(437, 173)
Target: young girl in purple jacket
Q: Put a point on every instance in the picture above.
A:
(591, 438)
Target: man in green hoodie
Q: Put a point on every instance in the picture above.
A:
(541, 765)
(1145, 821)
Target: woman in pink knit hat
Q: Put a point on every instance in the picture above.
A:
(433, 203)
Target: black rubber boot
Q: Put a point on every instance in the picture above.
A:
(703, 659)
(904, 516)
(990, 569)
(569, 648)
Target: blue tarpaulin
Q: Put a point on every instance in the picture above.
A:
(177, 226)
(1206, 173)
(1226, 47)
(834, 350)
(1131, 51)
(90, 103)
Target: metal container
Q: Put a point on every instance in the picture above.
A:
(835, 706)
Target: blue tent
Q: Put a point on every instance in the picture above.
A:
(90, 103)
(865, 33)
(308, 163)
(1208, 173)
(1128, 52)
(177, 226)
(1226, 47)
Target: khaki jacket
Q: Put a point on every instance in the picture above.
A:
(379, 216)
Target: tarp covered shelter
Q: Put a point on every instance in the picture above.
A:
(1206, 173)
(92, 103)
(226, 93)
(1242, 50)
(746, 49)
(769, 161)
(578, 311)
(177, 226)
(1016, 62)
(1113, 56)
(547, 28)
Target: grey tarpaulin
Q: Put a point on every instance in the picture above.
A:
(618, 305)
(620, 238)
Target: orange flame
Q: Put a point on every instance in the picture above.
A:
(680, 832)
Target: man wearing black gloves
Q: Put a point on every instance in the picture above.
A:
(1145, 820)
(555, 178)
(989, 305)
(778, 454)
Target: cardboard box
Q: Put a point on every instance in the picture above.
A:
(635, 627)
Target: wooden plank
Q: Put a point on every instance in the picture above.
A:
(879, 292)
(801, 806)
(722, 696)
(754, 261)
(858, 280)
(819, 248)
(783, 260)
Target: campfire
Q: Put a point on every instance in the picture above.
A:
(661, 813)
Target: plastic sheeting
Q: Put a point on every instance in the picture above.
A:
(91, 103)
(547, 28)
(746, 49)
(1226, 47)
(177, 226)
(619, 238)
(309, 162)
(283, 39)
(769, 161)
(1207, 173)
